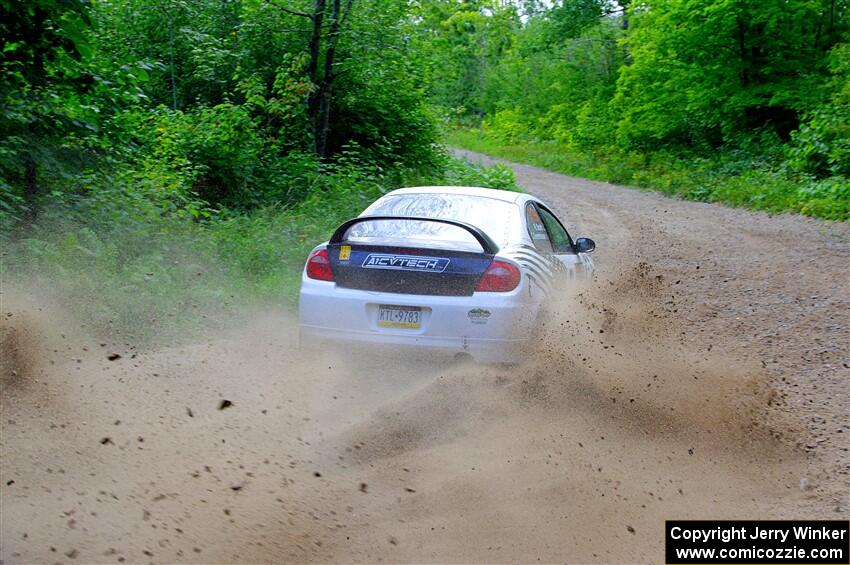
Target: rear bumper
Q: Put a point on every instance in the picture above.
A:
(491, 327)
(482, 350)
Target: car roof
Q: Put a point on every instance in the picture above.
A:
(505, 195)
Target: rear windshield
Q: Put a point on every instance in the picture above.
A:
(494, 217)
(412, 233)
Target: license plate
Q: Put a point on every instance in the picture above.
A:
(399, 316)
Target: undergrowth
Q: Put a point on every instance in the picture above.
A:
(160, 272)
(733, 178)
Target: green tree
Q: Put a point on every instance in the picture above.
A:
(43, 88)
(709, 71)
(822, 144)
(460, 42)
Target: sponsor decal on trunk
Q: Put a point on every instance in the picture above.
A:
(406, 263)
(344, 252)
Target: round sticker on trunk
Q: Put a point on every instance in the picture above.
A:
(478, 315)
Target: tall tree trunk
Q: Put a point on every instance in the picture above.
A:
(831, 27)
(742, 49)
(326, 86)
(316, 40)
(625, 5)
(171, 57)
(323, 121)
(314, 48)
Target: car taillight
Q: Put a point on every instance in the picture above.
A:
(500, 276)
(319, 265)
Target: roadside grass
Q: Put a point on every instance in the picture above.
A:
(153, 279)
(735, 180)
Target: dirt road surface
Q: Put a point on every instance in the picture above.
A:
(703, 375)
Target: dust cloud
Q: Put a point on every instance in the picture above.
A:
(243, 448)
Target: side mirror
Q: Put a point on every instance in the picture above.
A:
(585, 245)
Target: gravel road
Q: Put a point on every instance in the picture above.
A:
(704, 374)
(771, 290)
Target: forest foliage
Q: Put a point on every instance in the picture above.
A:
(160, 158)
(682, 95)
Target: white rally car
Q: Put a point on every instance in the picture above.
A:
(456, 269)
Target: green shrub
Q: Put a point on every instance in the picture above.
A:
(135, 254)
(507, 125)
(822, 144)
(595, 127)
(734, 176)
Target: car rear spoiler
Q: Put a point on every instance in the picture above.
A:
(487, 244)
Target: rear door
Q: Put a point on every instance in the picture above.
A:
(577, 265)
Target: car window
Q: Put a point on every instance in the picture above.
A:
(497, 218)
(537, 229)
(561, 241)
(414, 233)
